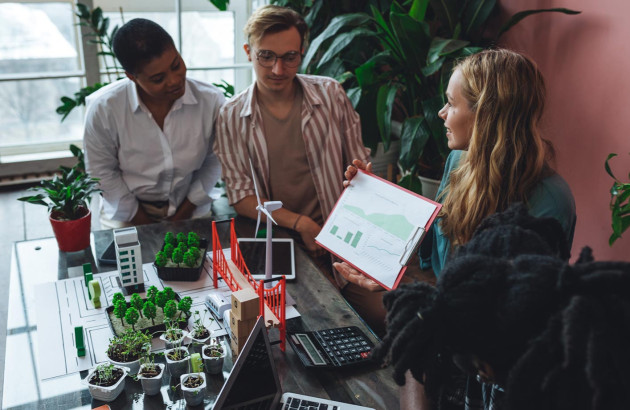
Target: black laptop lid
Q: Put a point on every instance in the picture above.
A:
(253, 382)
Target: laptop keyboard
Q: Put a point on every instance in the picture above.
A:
(294, 403)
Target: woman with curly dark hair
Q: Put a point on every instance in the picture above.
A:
(538, 332)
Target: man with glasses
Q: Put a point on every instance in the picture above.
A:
(299, 131)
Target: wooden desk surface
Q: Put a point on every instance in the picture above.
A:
(319, 303)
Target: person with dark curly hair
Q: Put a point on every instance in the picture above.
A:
(538, 332)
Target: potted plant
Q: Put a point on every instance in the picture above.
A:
(150, 375)
(619, 204)
(396, 63)
(67, 197)
(177, 360)
(106, 381)
(181, 257)
(128, 348)
(174, 335)
(199, 333)
(213, 356)
(194, 387)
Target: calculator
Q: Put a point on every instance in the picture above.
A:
(336, 347)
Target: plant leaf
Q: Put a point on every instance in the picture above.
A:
(447, 13)
(220, 4)
(607, 167)
(522, 14)
(476, 14)
(342, 41)
(384, 105)
(412, 183)
(413, 139)
(334, 27)
(418, 9)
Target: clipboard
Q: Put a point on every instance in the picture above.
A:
(376, 226)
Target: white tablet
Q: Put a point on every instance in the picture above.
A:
(283, 255)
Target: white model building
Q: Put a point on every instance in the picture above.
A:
(129, 259)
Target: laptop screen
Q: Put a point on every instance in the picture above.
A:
(253, 382)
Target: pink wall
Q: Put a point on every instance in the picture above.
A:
(586, 63)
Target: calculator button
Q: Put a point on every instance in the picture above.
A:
(364, 354)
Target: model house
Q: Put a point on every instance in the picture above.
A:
(129, 259)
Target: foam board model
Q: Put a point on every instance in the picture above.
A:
(129, 259)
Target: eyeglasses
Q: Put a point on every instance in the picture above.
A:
(268, 58)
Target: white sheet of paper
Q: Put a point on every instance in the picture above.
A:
(371, 225)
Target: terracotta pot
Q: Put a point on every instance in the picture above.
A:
(73, 235)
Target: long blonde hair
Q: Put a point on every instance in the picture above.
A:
(506, 155)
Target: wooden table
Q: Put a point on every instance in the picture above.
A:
(320, 304)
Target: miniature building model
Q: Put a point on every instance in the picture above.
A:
(129, 259)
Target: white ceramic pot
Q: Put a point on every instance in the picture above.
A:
(176, 367)
(198, 344)
(133, 367)
(429, 187)
(213, 364)
(106, 393)
(193, 395)
(151, 385)
(173, 343)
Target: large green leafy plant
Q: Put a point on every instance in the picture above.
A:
(619, 204)
(406, 74)
(67, 194)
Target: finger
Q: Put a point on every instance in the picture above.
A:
(346, 184)
(358, 163)
(368, 167)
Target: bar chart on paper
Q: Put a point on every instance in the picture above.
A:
(373, 225)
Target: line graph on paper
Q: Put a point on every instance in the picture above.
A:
(372, 225)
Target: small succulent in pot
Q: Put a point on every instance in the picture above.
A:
(106, 381)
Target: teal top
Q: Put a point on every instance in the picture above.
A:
(551, 198)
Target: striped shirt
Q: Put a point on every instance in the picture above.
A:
(331, 130)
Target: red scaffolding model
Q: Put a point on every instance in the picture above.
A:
(236, 275)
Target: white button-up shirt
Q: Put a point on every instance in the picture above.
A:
(136, 160)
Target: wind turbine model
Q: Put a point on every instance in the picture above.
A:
(267, 208)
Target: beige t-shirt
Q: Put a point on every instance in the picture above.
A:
(289, 173)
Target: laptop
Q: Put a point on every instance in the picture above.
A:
(254, 382)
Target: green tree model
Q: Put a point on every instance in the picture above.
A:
(185, 304)
(195, 251)
(161, 298)
(151, 292)
(120, 308)
(189, 258)
(170, 238)
(131, 316)
(178, 256)
(168, 249)
(117, 296)
(193, 239)
(181, 237)
(161, 259)
(150, 311)
(137, 302)
(170, 310)
(170, 293)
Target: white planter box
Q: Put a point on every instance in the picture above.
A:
(106, 393)
(152, 385)
(193, 396)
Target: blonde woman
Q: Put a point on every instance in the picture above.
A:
(495, 101)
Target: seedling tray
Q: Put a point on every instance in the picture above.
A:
(184, 273)
(152, 329)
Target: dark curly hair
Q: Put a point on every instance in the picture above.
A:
(555, 334)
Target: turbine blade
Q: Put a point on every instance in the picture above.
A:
(251, 166)
(257, 225)
(269, 215)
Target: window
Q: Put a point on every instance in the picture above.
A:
(124, 267)
(42, 59)
(125, 274)
(124, 260)
(121, 253)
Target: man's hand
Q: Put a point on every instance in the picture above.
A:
(185, 211)
(141, 217)
(308, 230)
(352, 170)
(356, 277)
